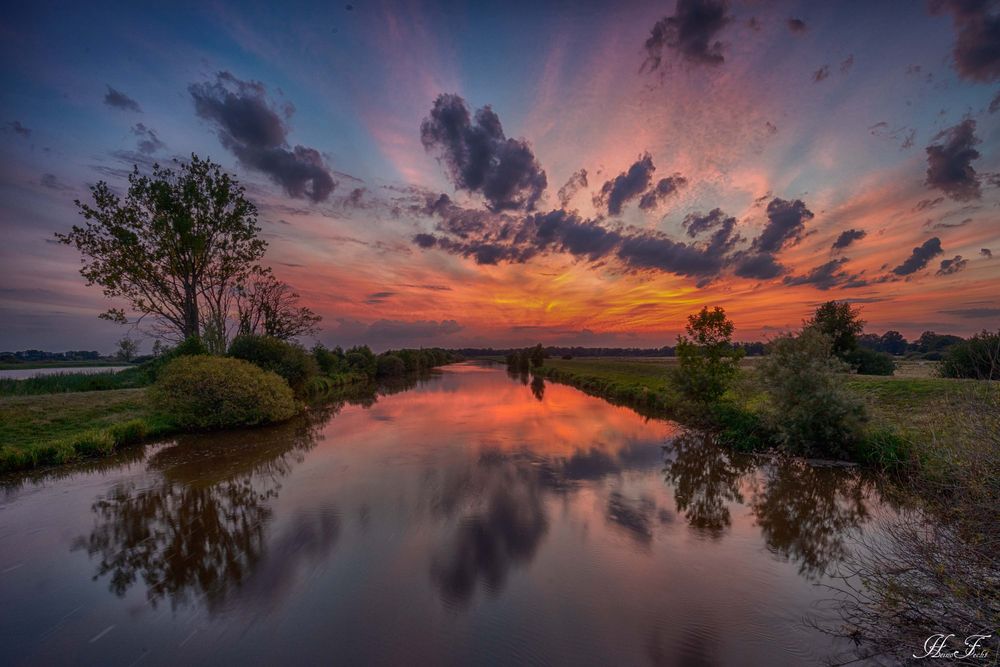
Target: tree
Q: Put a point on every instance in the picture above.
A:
(892, 342)
(127, 349)
(268, 307)
(841, 323)
(176, 239)
(708, 361)
(158, 348)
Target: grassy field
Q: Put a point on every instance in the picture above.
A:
(937, 417)
(59, 428)
(30, 365)
(55, 383)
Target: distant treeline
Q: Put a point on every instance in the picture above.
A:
(929, 345)
(30, 356)
(558, 351)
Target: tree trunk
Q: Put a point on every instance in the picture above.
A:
(191, 328)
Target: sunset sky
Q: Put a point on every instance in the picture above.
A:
(504, 173)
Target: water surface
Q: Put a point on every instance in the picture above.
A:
(473, 518)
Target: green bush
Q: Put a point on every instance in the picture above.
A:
(870, 362)
(977, 358)
(289, 361)
(390, 365)
(810, 410)
(217, 392)
(330, 362)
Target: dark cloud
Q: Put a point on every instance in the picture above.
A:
(977, 41)
(568, 232)
(626, 186)
(425, 240)
(692, 32)
(147, 142)
(355, 199)
(376, 298)
(949, 162)
(920, 257)
(973, 313)
(797, 25)
(663, 189)
(986, 252)
(846, 64)
(18, 129)
(826, 276)
(848, 237)
(953, 265)
(942, 224)
(785, 223)
(758, 266)
(696, 223)
(650, 250)
(480, 158)
(575, 183)
(255, 132)
(822, 73)
(119, 100)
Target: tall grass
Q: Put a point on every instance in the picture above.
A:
(58, 383)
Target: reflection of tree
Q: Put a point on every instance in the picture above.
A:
(538, 387)
(503, 526)
(805, 513)
(200, 527)
(705, 480)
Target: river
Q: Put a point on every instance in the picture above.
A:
(473, 518)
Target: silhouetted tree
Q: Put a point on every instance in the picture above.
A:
(841, 323)
(708, 360)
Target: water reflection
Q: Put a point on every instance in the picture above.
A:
(199, 529)
(501, 521)
(706, 481)
(807, 513)
(525, 510)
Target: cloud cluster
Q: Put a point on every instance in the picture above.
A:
(949, 162)
(255, 132)
(18, 129)
(626, 186)
(119, 100)
(663, 189)
(692, 32)
(491, 238)
(480, 158)
(797, 25)
(827, 276)
(848, 237)
(920, 257)
(953, 265)
(977, 41)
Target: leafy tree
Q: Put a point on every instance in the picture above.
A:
(158, 348)
(809, 408)
(127, 349)
(978, 358)
(175, 238)
(892, 342)
(708, 361)
(841, 323)
(390, 365)
(537, 356)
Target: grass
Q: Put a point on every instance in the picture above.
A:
(914, 417)
(55, 383)
(61, 428)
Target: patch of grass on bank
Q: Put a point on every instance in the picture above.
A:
(61, 428)
(922, 421)
(57, 383)
(32, 365)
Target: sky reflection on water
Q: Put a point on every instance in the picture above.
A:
(471, 517)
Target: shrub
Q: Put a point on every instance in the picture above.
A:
(811, 413)
(286, 359)
(361, 359)
(389, 365)
(978, 358)
(330, 362)
(869, 362)
(708, 362)
(216, 392)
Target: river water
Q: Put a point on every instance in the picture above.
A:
(473, 518)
